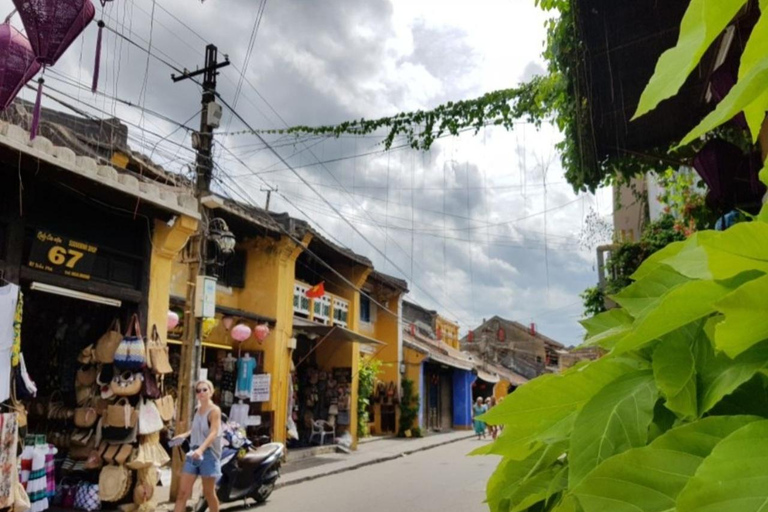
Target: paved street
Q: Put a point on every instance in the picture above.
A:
(439, 480)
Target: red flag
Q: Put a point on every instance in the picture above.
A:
(316, 291)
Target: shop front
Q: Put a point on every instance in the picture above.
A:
(76, 260)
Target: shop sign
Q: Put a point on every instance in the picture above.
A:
(205, 297)
(61, 255)
(260, 389)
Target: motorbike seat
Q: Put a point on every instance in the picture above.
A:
(260, 454)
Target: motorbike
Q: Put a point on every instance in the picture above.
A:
(247, 471)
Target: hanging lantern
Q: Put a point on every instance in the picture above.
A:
(17, 66)
(241, 332)
(471, 336)
(227, 321)
(208, 325)
(262, 331)
(52, 26)
(173, 320)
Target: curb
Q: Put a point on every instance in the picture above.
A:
(371, 462)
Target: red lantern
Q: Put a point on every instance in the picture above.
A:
(262, 331)
(471, 336)
(413, 330)
(501, 334)
(241, 332)
(18, 64)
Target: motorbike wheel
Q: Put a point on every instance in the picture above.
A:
(263, 493)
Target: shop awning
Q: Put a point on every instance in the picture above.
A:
(225, 311)
(487, 377)
(332, 333)
(434, 354)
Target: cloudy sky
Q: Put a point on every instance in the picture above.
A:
(481, 225)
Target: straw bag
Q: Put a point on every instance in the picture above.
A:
(85, 417)
(157, 351)
(106, 346)
(86, 375)
(131, 353)
(149, 418)
(114, 483)
(150, 453)
(86, 355)
(166, 407)
(87, 497)
(127, 384)
(121, 415)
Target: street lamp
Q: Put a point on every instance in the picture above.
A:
(222, 240)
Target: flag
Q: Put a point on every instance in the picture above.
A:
(316, 291)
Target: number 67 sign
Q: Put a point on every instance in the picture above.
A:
(61, 255)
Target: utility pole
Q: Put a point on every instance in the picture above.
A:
(191, 349)
(269, 191)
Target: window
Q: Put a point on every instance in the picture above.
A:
(365, 309)
(233, 273)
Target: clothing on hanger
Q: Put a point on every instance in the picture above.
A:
(245, 367)
(239, 413)
(9, 434)
(9, 296)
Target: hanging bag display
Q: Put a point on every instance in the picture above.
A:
(85, 417)
(86, 375)
(150, 389)
(121, 415)
(127, 384)
(107, 345)
(131, 352)
(149, 418)
(157, 352)
(114, 483)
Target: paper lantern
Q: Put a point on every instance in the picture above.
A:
(53, 25)
(262, 331)
(17, 63)
(227, 321)
(241, 332)
(208, 325)
(173, 320)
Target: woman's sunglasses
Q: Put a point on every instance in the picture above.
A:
(201, 390)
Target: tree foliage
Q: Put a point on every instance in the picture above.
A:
(675, 416)
(369, 370)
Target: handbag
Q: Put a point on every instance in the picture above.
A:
(104, 352)
(18, 407)
(131, 353)
(86, 375)
(86, 355)
(166, 407)
(127, 384)
(149, 418)
(151, 389)
(85, 417)
(121, 415)
(157, 351)
(114, 483)
(87, 497)
(83, 394)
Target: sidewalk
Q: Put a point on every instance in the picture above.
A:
(370, 452)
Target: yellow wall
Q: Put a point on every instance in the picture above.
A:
(386, 328)
(500, 389)
(413, 360)
(449, 331)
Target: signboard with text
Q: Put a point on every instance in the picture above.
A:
(58, 254)
(260, 390)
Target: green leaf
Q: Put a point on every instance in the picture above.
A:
(722, 375)
(742, 95)
(753, 52)
(746, 317)
(659, 258)
(614, 420)
(680, 306)
(643, 295)
(674, 368)
(702, 23)
(547, 403)
(649, 479)
(507, 483)
(749, 398)
(734, 477)
(534, 490)
(605, 321)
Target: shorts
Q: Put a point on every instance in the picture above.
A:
(208, 466)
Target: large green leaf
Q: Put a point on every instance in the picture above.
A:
(548, 403)
(659, 257)
(643, 295)
(680, 306)
(722, 375)
(606, 321)
(746, 317)
(734, 477)
(674, 368)
(753, 52)
(507, 484)
(742, 95)
(702, 23)
(649, 479)
(749, 398)
(614, 420)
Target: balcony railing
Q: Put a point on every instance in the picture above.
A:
(328, 309)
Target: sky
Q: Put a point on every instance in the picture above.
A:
(482, 224)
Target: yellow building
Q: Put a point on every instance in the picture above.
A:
(447, 331)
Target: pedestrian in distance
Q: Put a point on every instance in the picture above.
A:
(490, 403)
(477, 410)
(204, 457)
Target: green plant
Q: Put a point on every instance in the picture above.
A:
(369, 370)
(409, 410)
(594, 301)
(675, 416)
